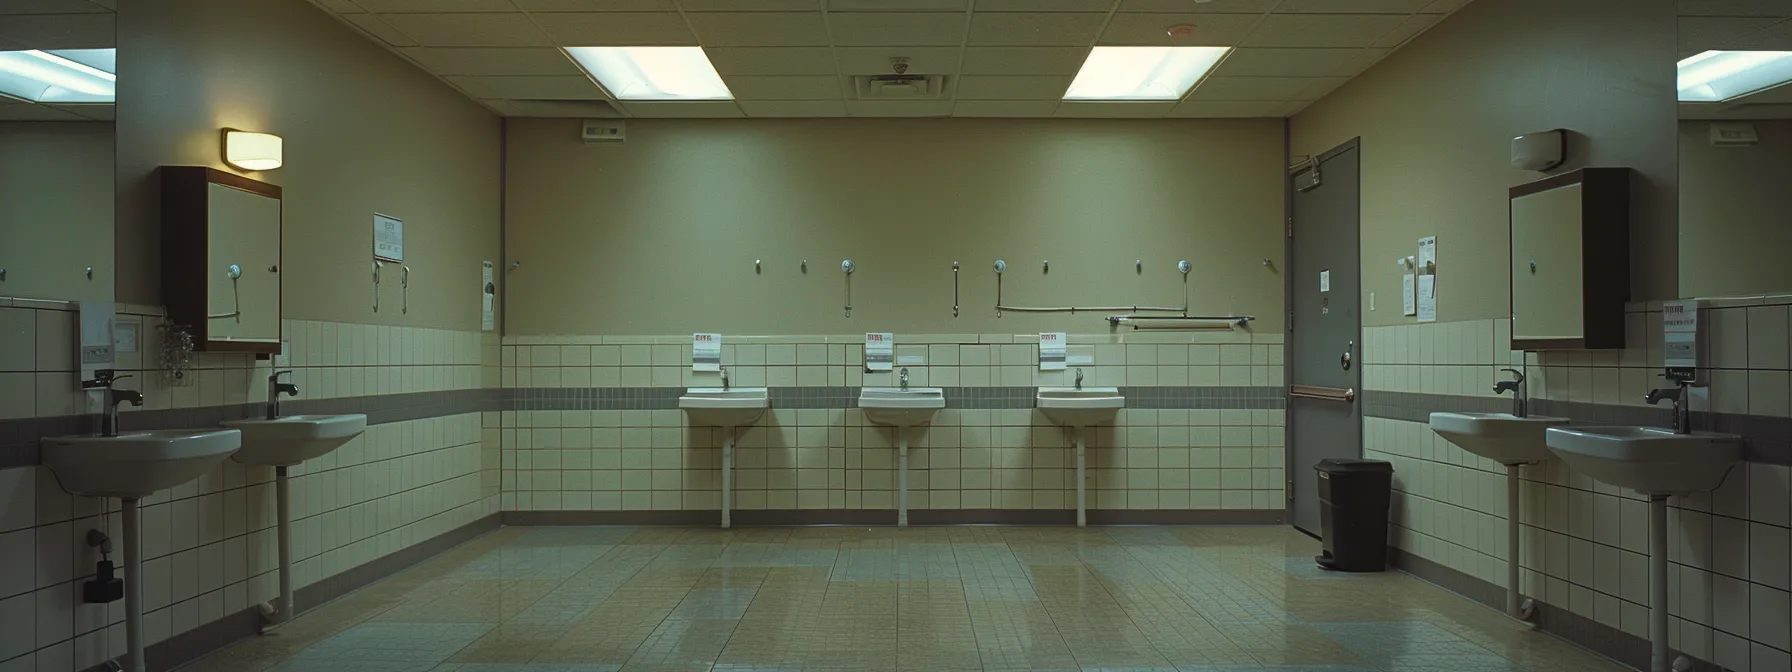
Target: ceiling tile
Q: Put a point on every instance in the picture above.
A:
(1065, 29)
(1450, 6)
(802, 87)
(60, 31)
(435, 6)
(1217, 6)
(607, 29)
(95, 112)
(1234, 108)
(898, 5)
(531, 87)
(339, 6)
(896, 28)
(1012, 87)
(1351, 6)
(1408, 29)
(794, 108)
(1734, 8)
(1269, 62)
(876, 60)
(759, 29)
(906, 108)
(379, 29)
(1777, 37)
(12, 111)
(596, 5)
(468, 30)
(749, 5)
(683, 109)
(49, 7)
(493, 60)
(1702, 33)
(1024, 60)
(772, 60)
(1264, 88)
(584, 109)
(1044, 5)
(1322, 30)
(1211, 30)
(1120, 110)
(1004, 108)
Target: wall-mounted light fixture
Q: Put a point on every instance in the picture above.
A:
(248, 151)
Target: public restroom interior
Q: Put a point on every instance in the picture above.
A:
(455, 225)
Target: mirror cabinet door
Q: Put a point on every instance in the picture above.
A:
(221, 258)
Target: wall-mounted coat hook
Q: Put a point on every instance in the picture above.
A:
(847, 268)
(954, 286)
(756, 269)
(804, 267)
(1138, 265)
(89, 272)
(1184, 266)
(1045, 266)
(404, 290)
(376, 286)
(515, 265)
(2, 275)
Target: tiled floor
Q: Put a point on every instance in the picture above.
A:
(1207, 599)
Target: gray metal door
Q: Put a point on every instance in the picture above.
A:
(1324, 325)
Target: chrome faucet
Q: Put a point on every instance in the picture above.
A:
(905, 378)
(275, 389)
(103, 379)
(724, 371)
(1521, 399)
(1079, 379)
(1682, 404)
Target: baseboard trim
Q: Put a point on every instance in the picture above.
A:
(886, 517)
(1605, 640)
(194, 644)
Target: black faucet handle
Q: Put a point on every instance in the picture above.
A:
(277, 374)
(1517, 374)
(103, 378)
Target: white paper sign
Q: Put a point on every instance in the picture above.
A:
(880, 351)
(1428, 254)
(1409, 304)
(488, 295)
(706, 352)
(1680, 334)
(1427, 298)
(388, 238)
(1051, 351)
(1325, 280)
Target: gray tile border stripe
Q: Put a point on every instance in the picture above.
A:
(887, 517)
(1769, 438)
(1011, 397)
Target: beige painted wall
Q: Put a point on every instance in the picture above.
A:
(365, 132)
(658, 235)
(56, 209)
(1437, 117)
(1735, 212)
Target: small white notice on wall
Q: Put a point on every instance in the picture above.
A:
(706, 352)
(1409, 304)
(1680, 334)
(880, 351)
(1325, 280)
(1427, 298)
(488, 295)
(1051, 351)
(1428, 255)
(388, 238)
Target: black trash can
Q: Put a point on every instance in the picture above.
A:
(1353, 513)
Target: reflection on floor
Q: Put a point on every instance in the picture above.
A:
(1207, 599)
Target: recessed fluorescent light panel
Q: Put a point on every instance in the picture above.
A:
(1142, 73)
(60, 76)
(1716, 76)
(653, 73)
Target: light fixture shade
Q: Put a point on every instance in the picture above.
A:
(1142, 73)
(653, 73)
(52, 77)
(1717, 76)
(252, 151)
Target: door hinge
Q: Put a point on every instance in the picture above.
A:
(1291, 320)
(1290, 488)
(1290, 227)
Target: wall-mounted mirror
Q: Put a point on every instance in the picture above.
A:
(58, 65)
(221, 258)
(1735, 137)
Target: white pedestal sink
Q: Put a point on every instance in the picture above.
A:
(281, 443)
(1512, 441)
(726, 408)
(1080, 408)
(902, 409)
(1657, 463)
(131, 466)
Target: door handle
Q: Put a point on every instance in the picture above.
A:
(1344, 361)
(1346, 395)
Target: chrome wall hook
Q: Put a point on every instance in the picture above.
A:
(404, 290)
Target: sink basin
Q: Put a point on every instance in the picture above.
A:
(1646, 459)
(135, 465)
(902, 408)
(1080, 407)
(1501, 437)
(731, 407)
(283, 442)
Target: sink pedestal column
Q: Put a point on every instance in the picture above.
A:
(902, 477)
(1082, 511)
(283, 509)
(133, 587)
(1658, 584)
(1514, 560)
(727, 476)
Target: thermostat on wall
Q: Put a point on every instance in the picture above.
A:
(603, 130)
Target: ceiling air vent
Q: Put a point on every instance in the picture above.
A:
(899, 87)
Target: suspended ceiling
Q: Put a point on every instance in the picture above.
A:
(51, 25)
(796, 58)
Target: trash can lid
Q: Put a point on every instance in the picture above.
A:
(1336, 465)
